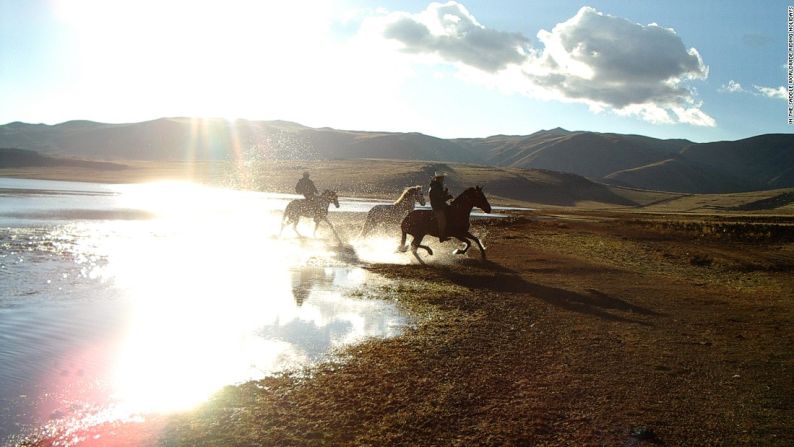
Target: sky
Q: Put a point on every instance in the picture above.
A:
(703, 70)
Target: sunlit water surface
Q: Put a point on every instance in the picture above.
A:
(118, 301)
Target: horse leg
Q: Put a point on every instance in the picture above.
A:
(403, 248)
(428, 249)
(462, 251)
(295, 227)
(416, 255)
(316, 224)
(333, 230)
(415, 244)
(479, 244)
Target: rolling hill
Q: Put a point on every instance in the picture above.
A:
(21, 158)
(678, 175)
(675, 165)
(766, 161)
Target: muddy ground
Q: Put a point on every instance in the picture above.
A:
(579, 330)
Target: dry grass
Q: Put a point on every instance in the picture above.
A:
(583, 330)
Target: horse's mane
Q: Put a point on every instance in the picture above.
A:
(405, 193)
(461, 195)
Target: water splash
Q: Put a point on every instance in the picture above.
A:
(154, 315)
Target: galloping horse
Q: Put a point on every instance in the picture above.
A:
(419, 223)
(316, 208)
(394, 213)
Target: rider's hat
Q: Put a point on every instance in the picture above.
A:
(305, 173)
(439, 174)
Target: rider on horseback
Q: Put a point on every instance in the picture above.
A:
(438, 201)
(306, 187)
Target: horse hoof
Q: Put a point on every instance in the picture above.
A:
(430, 252)
(458, 251)
(402, 249)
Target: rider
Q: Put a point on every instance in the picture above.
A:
(438, 201)
(306, 187)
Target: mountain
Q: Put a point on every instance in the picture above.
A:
(766, 161)
(675, 165)
(218, 139)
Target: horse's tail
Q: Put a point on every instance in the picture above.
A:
(284, 214)
(288, 212)
(406, 227)
(367, 224)
(284, 217)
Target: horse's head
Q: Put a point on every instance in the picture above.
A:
(472, 197)
(419, 196)
(480, 201)
(331, 197)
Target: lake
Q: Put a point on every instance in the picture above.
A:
(120, 301)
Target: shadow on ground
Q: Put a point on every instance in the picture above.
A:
(490, 276)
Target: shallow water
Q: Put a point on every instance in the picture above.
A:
(128, 300)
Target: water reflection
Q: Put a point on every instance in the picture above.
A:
(305, 279)
(110, 316)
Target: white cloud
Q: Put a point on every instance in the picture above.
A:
(693, 115)
(606, 62)
(772, 92)
(450, 31)
(732, 87)
(760, 90)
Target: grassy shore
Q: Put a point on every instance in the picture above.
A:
(582, 329)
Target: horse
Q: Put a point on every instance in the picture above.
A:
(394, 213)
(419, 223)
(316, 208)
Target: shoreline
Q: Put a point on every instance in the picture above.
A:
(576, 332)
(385, 180)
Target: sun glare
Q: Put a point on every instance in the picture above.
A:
(229, 59)
(205, 282)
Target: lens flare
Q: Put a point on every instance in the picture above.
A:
(209, 296)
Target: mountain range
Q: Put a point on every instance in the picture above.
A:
(676, 165)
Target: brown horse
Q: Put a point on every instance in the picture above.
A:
(316, 208)
(419, 223)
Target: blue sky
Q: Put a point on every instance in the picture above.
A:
(706, 70)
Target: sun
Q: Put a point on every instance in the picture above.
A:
(229, 59)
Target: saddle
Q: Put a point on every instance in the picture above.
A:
(434, 221)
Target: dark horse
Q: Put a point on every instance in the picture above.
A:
(419, 223)
(316, 208)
